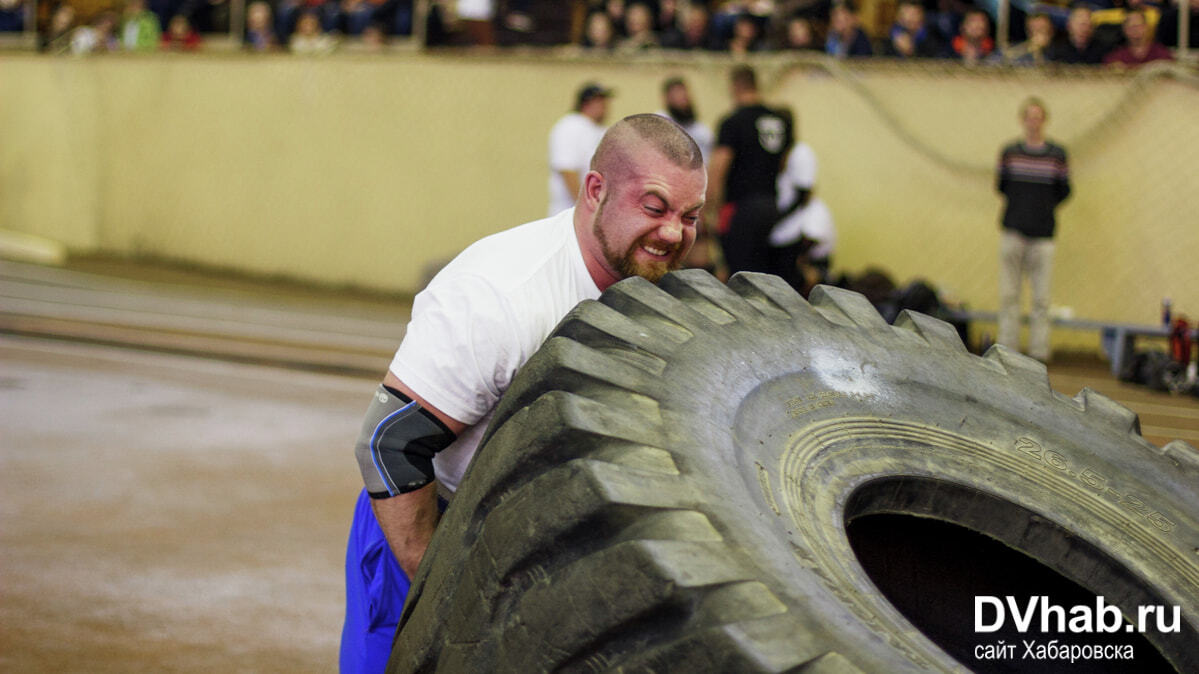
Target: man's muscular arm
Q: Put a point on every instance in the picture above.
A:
(408, 519)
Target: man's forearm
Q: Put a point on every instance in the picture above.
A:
(408, 521)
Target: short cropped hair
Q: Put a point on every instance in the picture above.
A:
(658, 132)
(1033, 102)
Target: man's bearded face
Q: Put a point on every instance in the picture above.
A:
(647, 256)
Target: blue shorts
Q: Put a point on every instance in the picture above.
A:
(375, 591)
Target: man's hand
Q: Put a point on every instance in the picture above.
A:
(408, 521)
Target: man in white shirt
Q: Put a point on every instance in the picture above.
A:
(573, 140)
(474, 326)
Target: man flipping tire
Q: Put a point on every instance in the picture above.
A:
(673, 481)
(474, 326)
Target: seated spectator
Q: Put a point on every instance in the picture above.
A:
(639, 29)
(1109, 22)
(598, 33)
(797, 35)
(180, 35)
(747, 36)
(1035, 50)
(974, 43)
(374, 38)
(141, 31)
(667, 23)
(1080, 45)
(944, 19)
(12, 16)
(696, 32)
(1142, 47)
(615, 10)
(97, 38)
(349, 17)
(309, 37)
(845, 36)
(910, 37)
(260, 29)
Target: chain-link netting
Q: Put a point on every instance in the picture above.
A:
(908, 154)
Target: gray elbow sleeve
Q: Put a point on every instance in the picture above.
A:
(396, 445)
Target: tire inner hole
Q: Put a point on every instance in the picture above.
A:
(931, 547)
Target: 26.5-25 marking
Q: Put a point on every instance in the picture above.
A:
(1054, 461)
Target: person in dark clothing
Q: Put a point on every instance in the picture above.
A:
(1034, 176)
(911, 36)
(845, 37)
(973, 43)
(695, 33)
(1080, 45)
(751, 148)
(1141, 47)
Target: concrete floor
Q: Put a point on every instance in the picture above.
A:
(170, 513)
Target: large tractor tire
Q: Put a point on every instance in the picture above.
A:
(693, 477)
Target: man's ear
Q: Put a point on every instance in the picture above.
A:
(593, 189)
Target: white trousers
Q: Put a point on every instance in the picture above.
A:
(1020, 256)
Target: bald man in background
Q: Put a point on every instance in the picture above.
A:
(475, 325)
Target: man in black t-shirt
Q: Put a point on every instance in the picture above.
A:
(1034, 176)
(751, 149)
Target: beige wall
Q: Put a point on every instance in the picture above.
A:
(361, 170)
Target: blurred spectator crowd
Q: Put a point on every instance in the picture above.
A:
(1128, 32)
(302, 26)
(1098, 31)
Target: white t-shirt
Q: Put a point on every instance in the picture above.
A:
(700, 133)
(799, 173)
(481, 318)
(573, 140)
(814, 221)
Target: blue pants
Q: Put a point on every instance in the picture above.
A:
(375, 591)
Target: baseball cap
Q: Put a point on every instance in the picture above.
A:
(592, 90)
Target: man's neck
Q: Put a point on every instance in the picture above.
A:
(747, 98)
(592, 254)
(1034, 142)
